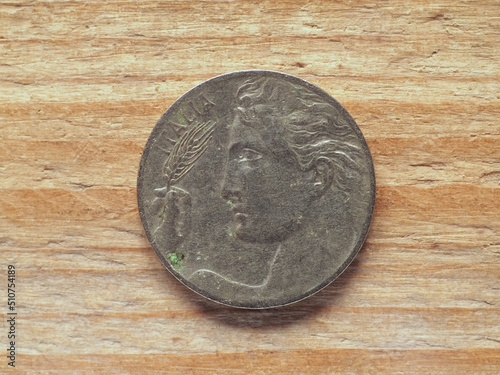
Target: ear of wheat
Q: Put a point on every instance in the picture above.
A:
(187, 150)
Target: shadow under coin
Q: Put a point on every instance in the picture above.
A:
(282, 316)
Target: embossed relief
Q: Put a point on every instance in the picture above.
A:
(285, 150)
(261, 189)
(172, 204)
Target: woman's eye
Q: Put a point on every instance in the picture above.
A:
(248, 154)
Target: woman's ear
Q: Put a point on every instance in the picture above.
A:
(323, 176)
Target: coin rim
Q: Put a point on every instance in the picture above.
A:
(366, 226)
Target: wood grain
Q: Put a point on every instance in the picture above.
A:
(82, 83)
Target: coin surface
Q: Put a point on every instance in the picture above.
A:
(256, 189)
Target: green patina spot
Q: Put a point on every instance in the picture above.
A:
(162, 212)
(229, 232)
(230, 204)
(181, 118)
(175, 259)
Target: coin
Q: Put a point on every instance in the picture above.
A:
(256, 189)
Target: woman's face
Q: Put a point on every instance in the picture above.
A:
(262, 184)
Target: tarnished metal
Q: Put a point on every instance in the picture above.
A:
(256, 189)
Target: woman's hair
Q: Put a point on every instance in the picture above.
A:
(311, 127)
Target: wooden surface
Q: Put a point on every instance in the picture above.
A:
(82, 83)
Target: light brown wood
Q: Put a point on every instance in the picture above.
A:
(82, 83)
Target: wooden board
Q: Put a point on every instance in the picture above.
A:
(82, 83)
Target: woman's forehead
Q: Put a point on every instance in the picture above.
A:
(261, 133)
(248, 132)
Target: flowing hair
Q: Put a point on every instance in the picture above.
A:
(312, 128)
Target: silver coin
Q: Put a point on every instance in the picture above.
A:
(256, 189)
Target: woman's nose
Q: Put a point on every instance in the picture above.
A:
(231, 186)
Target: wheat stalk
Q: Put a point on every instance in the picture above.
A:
(187, 150)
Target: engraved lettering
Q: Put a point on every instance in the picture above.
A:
(202, 104)
(256, 189)
(172, 205)
(189, 113)
(178, 128)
